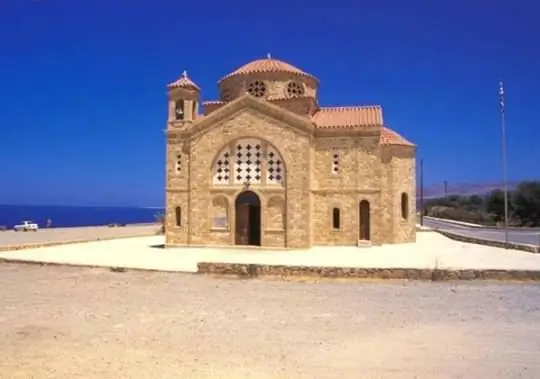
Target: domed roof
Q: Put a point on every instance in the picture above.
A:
(184, 82)
(268, 64)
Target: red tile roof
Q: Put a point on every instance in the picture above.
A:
(184, 82)
(348, 117)
(389, 137)
(267, 65)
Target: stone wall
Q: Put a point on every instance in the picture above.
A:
(292, 144)
(403, 179)
(284, 272)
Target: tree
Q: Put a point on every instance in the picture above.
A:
(160, 219)
(476, 202)
(526, 201)
(495, 205)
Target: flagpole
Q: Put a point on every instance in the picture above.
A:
(421, 192)
(504, 159)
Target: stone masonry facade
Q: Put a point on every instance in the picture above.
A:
(307, 175)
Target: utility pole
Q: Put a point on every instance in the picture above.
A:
(504, 159)
(421, 192)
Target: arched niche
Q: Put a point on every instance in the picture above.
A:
(220, 212)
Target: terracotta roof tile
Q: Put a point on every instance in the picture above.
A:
(184, 82)
(348, 117)
(211, 106)
(267, 65)
(212, 102)
(389, 137)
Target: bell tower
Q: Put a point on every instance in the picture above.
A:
(184, 97)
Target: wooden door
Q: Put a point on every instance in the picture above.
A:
(242, 224)
(364, 221)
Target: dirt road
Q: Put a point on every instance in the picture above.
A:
(60, 322)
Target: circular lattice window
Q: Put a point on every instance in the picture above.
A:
(226, 95)
(295, 89)
(256, 88)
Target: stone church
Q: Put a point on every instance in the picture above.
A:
(267, 165)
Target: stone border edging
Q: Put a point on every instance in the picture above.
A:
(259, 270)
(58, 243)
(481, 241)
(251, 271)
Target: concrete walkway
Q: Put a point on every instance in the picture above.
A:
(431, 250)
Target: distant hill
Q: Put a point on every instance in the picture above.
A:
(465, 189)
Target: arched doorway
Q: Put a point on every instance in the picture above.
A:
(365, 232)
(248, 219)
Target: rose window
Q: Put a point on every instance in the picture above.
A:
(250, 161)
(256, 88)
(295, 89)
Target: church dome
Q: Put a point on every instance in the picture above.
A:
(267, 65)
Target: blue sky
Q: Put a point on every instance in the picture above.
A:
(83, 96)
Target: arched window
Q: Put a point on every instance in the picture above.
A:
(404, 206)
(241, 163)
(178, 216)
(336, 219)
(179, 110)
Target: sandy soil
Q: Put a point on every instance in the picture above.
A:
(72, 234)
(62, 322)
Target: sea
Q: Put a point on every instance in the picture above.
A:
(68, 216)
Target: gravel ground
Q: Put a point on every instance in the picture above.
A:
(68, 322)
(71, 234)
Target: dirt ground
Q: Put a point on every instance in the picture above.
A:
(74, 234)
(62, 322)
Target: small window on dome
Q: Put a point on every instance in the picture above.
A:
(295, 89)
(256, 88)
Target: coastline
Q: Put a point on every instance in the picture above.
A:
(11, 240)
(67, 216)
